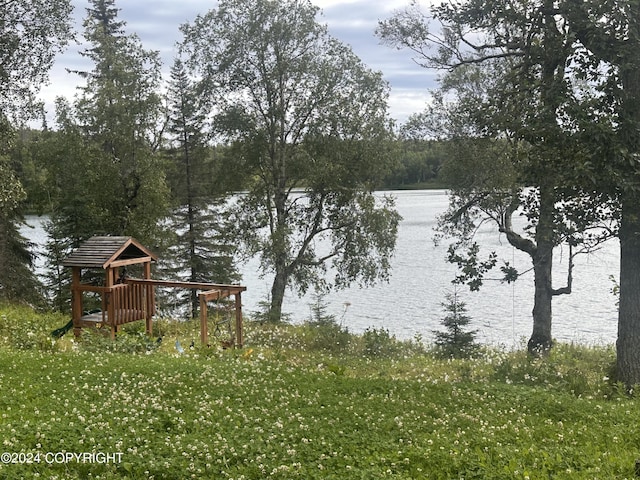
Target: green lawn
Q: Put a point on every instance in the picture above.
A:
(295, 404)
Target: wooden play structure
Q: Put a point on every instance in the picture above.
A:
(124, 299)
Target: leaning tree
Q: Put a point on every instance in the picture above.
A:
(308, 125)
(506, 65)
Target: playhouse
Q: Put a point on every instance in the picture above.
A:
(125, 299)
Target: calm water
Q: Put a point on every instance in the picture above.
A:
(410, 303)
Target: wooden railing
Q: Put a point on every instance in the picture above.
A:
(123, 303)
(128, 302)
(134, 300)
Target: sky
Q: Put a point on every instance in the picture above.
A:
(353, 22)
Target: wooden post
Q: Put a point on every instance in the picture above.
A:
(76, 300)
(150, 300)
(109, 281)
(239, 337)
(204, 334)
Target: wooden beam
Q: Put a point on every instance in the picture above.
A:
(212, 295)
(130, 261)
(194, 285)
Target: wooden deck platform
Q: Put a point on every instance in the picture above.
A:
(93, 319)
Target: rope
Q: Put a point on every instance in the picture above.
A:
(513, 300)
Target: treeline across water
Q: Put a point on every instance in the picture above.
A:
(416, 165)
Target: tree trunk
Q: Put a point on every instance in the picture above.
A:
(628, 343)
(541, 253)
(279, 244)
(277, 295)
(541, 341)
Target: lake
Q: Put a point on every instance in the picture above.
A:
(410, 303)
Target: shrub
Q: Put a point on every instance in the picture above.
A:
(325, 332)
(379, 343)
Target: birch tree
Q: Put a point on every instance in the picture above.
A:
(507, 63)
(308, 124)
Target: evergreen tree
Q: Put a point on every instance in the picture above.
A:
(57, 278)
(106, 174)
(111, 137)
(17, 278)
(456, 341)
(198, 220)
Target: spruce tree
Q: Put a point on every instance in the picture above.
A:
(456, 341)
(111, 138)
(17, 278)
(200, 251)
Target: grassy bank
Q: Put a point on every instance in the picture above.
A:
(303, 402)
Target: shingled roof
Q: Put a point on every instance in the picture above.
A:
(105, 252)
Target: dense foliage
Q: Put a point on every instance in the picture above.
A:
(31, 33)
(308, 125)
(109, 138)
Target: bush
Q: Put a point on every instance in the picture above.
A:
(325, 332)
(23, 328)
(379, 343)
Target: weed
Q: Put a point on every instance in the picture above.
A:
(378, 342)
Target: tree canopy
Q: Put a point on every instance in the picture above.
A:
(308, 125)
(607, 45)
(506, 66)
(31, 33)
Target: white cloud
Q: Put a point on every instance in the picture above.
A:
(351, 21)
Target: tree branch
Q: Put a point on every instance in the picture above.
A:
(567, 289)
(516, 240)
(605, 46)
(455, 216)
